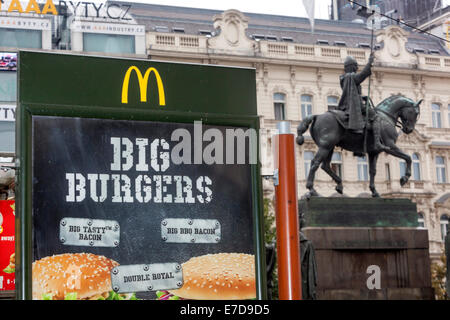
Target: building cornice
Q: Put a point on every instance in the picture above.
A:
(291, 62)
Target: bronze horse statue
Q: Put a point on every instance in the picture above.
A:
(328, 131)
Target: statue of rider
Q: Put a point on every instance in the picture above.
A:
(353, 104)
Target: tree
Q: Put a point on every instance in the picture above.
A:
(438, 276)
(270, 236)
(269, 222)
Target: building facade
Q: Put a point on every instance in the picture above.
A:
(297, 74)
(438, 24)
(411, 12)
(59, 26)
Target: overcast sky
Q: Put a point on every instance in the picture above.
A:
(281, 7)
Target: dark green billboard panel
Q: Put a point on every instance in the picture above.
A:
(56, 79)
(136, 166)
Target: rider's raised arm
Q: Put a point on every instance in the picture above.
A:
(366, 72)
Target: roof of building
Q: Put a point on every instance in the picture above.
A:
(195, 21)
(442, 12)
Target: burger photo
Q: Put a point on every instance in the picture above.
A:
(222, 276)
(11, 268)
(75, 276)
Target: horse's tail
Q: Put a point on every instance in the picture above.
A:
(302, 127)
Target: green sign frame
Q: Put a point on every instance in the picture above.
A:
(81, 86)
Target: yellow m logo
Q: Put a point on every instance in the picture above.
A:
(143, 83)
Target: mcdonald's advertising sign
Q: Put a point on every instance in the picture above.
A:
(138, 180)
(143, 84)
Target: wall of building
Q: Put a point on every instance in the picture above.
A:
(296, 69)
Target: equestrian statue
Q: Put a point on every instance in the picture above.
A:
(356, 125)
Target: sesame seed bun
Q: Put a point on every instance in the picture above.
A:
(86, 274)
(223, 276)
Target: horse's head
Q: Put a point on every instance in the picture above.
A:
(409, 114)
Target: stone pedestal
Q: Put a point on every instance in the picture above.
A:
(349, 237)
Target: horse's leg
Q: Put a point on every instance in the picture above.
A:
(326, 132)
(373, 157)
(327, 168)
(315, 163)
(397, 152)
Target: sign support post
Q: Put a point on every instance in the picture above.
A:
(288, 240)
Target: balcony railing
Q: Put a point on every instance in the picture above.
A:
(433, 62)
(286, 51)
(277, 48)
(177, 42)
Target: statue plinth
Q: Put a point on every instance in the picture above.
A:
(350, 235)
(359, 212)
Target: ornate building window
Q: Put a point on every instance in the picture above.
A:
(421, 221)
(332, 102)
(279, 102)
(363, 174)
(336, 163)
(306, 105)
(387, 170)
(307, 157)
(448, 115)
(444, 226)
(416, 167)
(441, 175)
(402, 164)
(436, 115)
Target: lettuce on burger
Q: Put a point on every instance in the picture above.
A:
(75, 276)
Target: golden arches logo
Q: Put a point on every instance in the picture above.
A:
(143, 84)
